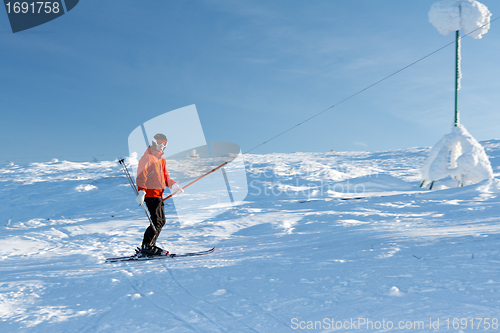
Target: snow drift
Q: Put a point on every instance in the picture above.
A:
(460, 156)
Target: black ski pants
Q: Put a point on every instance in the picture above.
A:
(156, 209)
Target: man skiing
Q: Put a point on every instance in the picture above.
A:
(152, 177)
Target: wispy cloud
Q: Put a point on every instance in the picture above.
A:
(360, 143)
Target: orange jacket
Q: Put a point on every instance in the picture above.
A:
(152, 174)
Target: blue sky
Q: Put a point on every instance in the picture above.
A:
(74, 88)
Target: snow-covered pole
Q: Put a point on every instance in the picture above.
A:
(457, 65)
(458, 154)
(457, 75)
(449, 16)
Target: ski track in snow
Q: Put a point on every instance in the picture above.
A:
(293, 249)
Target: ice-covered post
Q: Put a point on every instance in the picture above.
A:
(457, 65)
(457, 73)
(449, 16)
(458, 154)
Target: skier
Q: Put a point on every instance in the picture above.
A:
(152, 177)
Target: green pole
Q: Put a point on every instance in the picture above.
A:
(457, 74)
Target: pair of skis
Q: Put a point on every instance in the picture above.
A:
(139, 257)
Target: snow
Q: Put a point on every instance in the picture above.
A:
(448, 16)
(85, 187)
(459, 156)
(293, 254)
(445, 16)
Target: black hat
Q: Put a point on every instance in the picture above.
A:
(160, 136)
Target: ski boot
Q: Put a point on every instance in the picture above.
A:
(152, 250)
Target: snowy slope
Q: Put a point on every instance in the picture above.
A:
(293, 256)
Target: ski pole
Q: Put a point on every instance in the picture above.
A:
(129, 177)
(132, 184)
(199, 178)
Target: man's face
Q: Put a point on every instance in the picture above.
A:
(160, 144)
